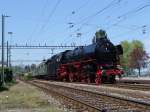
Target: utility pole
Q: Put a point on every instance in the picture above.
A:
(2, 75)
(3, 35)
(7, 54)
(10, 33)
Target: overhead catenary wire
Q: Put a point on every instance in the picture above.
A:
(75, 11)
(90, 17)
(131, 31)
(15, 61)
(122, 17)
(49, 16)
(80, 7)
(38, 23)
(128, 14)
(135, 10)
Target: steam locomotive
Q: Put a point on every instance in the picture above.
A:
(95, 63)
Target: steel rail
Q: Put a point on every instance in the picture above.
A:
(111, 96)
(137, 103)
(143, 87)
(75, 100)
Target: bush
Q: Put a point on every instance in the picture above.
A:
(27, 76)
(2, 88)
(8, 75)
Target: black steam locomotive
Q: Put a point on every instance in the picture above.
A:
(98, 62)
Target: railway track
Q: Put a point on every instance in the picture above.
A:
(134, 81)
(133, 86)
(127, 85)
(143, 87)
(89, 101)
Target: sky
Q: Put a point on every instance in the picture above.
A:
(49, 21)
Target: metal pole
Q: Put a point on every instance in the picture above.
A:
(10, 56)
(2, 77)
(7, 54)
(10, 33)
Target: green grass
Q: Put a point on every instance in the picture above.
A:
(24, 96)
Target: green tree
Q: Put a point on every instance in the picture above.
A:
(138, 58)
(137, 44)
(8, 74)
(126, 51)
(17, 69)
(124, 58)
(133, 54)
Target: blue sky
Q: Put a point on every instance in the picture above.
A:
(37, 21)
